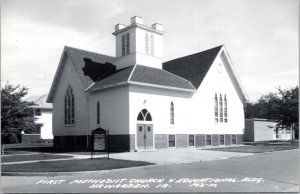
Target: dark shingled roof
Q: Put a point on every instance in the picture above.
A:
(193, 67)
(143, 74)
(160, 77)
(119, 76)
(77, 57)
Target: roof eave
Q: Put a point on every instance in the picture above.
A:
(161, 86)
(56, 77)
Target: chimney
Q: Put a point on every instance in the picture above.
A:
(119, 27)
(137, 20)
(157, 26)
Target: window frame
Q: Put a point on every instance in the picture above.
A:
(235, 139)
(221, 112)
(69, 107)
(194, 140)
(216, 108)
(206, 139)
(98, 113)
(223, 140)
(174, 141)
(172, 113)
(225, 109)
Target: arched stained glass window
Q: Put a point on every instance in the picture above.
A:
(144, 115)
(98, 112)
(216, 109)
(225, 109)
(172, 121)
(69, 107)
(221, 108)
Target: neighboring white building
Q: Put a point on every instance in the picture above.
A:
(43, 114)
(191, 101)
(264, 130)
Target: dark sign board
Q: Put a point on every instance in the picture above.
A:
(99, 141)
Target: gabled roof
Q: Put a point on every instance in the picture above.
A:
(77, 58)
(143, 75)
(40, 101)
(193, 67)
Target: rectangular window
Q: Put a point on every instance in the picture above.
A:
(191, 140)
(233, 139)
(276, 133)
(172, 141)
(208, 140)
(38, 112)
(222, 140)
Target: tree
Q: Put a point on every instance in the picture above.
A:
(281, 107)
(16, 114)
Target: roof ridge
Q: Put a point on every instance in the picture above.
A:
(195, 53)
(131, 72)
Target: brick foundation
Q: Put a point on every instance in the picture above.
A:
(83, 142)
(228, 139)
(181, 141)
(200, 140)
(215, 140)
(161, 141)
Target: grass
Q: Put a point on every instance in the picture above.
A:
(16, 158)
(259, 148)
(73, 165)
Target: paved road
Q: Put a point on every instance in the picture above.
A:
(274, 172)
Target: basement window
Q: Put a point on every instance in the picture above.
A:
(208, 140)
(191, 140)
(233, 139)
(172, 141)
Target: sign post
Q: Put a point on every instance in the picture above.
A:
(99, 141)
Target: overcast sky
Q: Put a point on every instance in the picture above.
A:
(261, 36)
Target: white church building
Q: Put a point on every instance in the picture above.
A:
(192, 101)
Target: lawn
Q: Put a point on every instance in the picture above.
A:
(258, 148)
(73, 165)
(16, 158)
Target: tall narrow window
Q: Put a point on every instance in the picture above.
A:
(69, 107)
(151, 45)
(127, 43)
(216, 109)
(221, 108)
(225, 109)
(146, 43)
(98, 113)
(172, 113)
(123, 45)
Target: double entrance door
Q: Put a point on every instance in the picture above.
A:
(144, 136)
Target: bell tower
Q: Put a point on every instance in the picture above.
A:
(138, 44)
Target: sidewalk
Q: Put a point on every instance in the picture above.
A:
(164, 156)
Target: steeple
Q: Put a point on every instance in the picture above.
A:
(138, 44)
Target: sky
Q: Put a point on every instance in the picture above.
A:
(261, 36)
